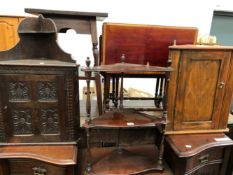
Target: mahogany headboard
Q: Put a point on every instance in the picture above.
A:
(142, 43)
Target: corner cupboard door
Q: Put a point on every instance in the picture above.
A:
(202, 76)
(32, 108)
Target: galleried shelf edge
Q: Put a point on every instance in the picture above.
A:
(123, 160)
(200, 88)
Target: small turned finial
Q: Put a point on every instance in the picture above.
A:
(123, 58)
(88, 62)
(41, 17)
(174, 42)
(169, 62)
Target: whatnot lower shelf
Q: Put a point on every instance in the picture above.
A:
(127, 160)
(125, 119)
(130, 160)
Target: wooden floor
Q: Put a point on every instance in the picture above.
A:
(167, 171)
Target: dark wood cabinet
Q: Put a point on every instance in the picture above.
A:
(200, 89)
(38, 103)
(198, 154)
(39, 107)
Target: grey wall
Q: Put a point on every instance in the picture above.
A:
(222, 27)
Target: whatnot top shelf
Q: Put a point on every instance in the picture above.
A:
(125, 119)
(127, 68)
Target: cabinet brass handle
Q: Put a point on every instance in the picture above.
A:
(39, 171)
(204, 158)
(221, 85)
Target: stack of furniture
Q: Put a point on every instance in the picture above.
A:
(131, 44)
(39, 107)
(39, 101)
(199, 94)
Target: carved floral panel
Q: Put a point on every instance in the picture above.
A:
(47, 91)
(49, 121)
(18, 91)
(22, 121)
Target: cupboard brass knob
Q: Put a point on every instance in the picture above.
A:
(221, 85)
(5, 107)
(204, 158)
(39, 171)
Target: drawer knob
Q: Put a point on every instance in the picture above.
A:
(204, 159)
(39, 171)
(221, 85)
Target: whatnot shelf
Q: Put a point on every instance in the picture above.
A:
(125, 119)
(122, 160)
(130, 160)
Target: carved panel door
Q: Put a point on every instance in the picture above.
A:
(32, 107)
(202, 76)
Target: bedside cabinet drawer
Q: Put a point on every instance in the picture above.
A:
(197, 154)
(34, 167)
(209, 156)
(38, 159)
(206, 170)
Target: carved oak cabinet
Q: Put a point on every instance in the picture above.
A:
(37, 103)
(39, 109)
(200, 89)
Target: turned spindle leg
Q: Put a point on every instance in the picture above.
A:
(117, 91)
(167, 80)
(99, 93)
(88, 167)
(161, 149)
(106, 91)
(121, 93)
(162, 130)
(156, 100)
(95, 53)
(122, 85)
(88, 102)
(94, 41)
(113, 89)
